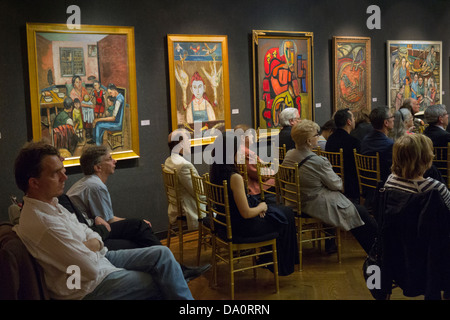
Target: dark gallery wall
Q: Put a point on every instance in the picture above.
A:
(136, 187)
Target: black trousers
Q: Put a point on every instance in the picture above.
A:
(366, 233)
(129, 234)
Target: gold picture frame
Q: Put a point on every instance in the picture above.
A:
(352, 74)
(199, 85)
(414, 70)
(294, 88)
(103, 85)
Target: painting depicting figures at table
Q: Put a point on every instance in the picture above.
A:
(414, 71)
(83, 91)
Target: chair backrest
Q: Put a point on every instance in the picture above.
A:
(289, 186)
(413, 234)
(218, 207)
(200, 195)
(265, 172)
(368, 170)
(242, 169)
(442, 162)
(281, 153)
(170, 179)
(317, 150)
(337, 161)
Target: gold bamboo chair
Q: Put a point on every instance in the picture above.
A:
(265, 173)
(281, 153)
(229, 248)
(337, 161)
(368, 171)
(317, 150)
(289, 191)
(242, 169)
(204, 231)
(442, 162)
(170, 179)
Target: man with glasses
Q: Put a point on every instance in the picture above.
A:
(437, 118)
(375, 141)
(91, 195)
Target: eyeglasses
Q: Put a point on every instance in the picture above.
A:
(391, 117)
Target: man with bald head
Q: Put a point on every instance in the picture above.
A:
(180, 149)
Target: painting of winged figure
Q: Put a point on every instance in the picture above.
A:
(199, 97)
(414, 71)
(352, 74)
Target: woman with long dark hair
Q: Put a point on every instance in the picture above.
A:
(251, 218)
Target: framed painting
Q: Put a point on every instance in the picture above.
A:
(352, 74)
(414, 71)
(282, 75)
(199, 85)
(82, 92)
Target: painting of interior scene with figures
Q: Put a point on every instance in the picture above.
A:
(415, 72)
(83, 85)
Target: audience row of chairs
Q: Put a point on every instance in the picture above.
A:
(216, 233)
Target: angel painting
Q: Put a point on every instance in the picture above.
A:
(199, 88)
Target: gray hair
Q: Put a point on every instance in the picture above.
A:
(433, 112)
(288, 114)
(400, 117)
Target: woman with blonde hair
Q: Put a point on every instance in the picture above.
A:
(412, 156)
(321, 188)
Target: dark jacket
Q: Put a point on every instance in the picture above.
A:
(341, 139)
(439, 136)
(285, 138)
(414, 241)
(377, 141)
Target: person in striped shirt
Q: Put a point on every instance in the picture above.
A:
(412, 156)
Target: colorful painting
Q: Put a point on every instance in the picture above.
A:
(282, 72)
(199, 87)
(352, 87)
(82, 92)
(414, 71)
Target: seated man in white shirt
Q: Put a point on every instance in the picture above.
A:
(60, 243)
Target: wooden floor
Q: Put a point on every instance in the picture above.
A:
(322, 278)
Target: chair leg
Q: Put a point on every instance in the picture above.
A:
(180, 239)
(199, 244)
(214, 262)
(338, 240)
(300, 245)
(231, 266)
(275, 267)
(169, 234)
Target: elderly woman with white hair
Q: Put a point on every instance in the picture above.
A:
(288, 118)
(321, 188)
(403, 124)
